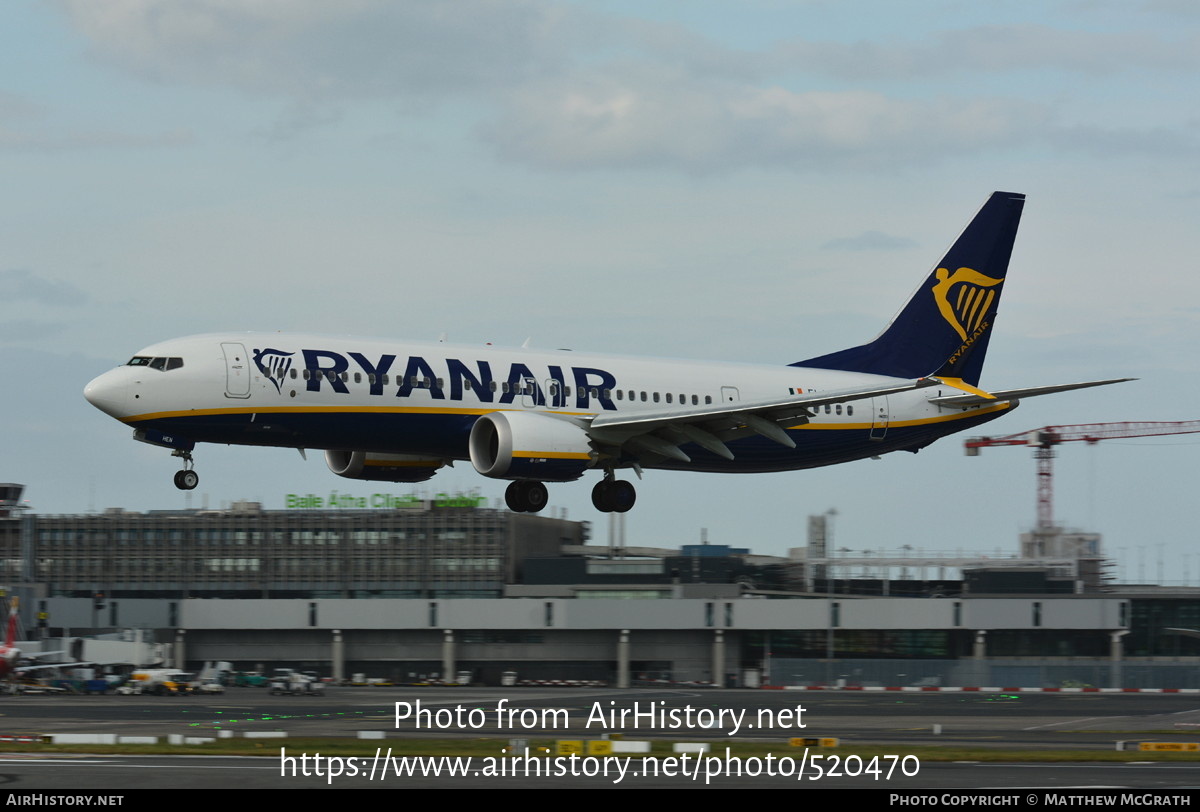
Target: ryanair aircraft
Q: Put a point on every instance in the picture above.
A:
(399, 411)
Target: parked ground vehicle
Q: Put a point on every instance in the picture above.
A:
(296, 683)
(161, 681)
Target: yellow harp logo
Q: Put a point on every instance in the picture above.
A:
(964, 298)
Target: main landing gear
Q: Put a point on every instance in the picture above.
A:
(526, 496)
(613, 495)
(187, 479)
(610, 495)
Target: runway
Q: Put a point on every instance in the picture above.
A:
(1033, 721)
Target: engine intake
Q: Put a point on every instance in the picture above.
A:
(529, 445)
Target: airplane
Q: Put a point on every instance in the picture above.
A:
(400, 411)
(10, 655)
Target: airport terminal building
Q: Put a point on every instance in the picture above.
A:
(434, 589)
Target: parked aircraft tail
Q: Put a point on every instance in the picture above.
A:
(944, 329)
(10, 633)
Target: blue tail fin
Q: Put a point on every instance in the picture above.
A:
(945, 327)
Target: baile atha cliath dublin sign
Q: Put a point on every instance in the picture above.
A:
(382, 501)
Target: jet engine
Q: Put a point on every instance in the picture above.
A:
(385, 467)
(529, 445)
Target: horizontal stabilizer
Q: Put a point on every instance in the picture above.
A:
(1017, 394)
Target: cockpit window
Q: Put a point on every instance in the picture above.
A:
(164, 364)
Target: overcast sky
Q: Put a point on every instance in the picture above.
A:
(760, 181)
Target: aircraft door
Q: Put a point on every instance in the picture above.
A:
(554, 394)
(529, 390)
(879, 417)
(237, 370)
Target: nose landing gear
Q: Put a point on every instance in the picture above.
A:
(187, 479)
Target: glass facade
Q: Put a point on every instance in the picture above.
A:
(438, 552)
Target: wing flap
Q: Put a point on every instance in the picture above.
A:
(661, 432)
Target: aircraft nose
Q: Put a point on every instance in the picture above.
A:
(107, 394)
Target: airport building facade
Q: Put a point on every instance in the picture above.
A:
(434, 591)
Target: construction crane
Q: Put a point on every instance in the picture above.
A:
(1044, 440)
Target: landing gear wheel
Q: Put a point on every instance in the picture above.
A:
(512, 497)
(535, 495)
(622, 495)
(602, 496)
(526, 496)
(186, 480)
(613, 496)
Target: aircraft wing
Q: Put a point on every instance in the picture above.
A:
(979, 397)
(661, 432)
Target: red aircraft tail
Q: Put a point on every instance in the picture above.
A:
(10, 634)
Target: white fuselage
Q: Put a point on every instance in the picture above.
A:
(372, 395)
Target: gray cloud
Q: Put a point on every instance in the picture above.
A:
(641, 116)
(993, 48)
(868, 241)
(573, 90)
(22, 285)
(315, 49)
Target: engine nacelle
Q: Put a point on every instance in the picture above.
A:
(529, 445)
(383, 467)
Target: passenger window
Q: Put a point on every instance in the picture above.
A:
(492, 386)
(838, 408)
(619, 394)
(467, 384)
(504, 387)
(695, 400)
(668, 397)
(849, 410)
(656, 397)
(606, 393)
(358, 377)
(567, 392)
(293, 374)
(370, 378)
(441, 383)
(708, 399)
(643, 397)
